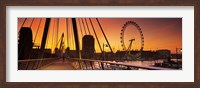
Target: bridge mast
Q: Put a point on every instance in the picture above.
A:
(76, 36)
(44, 37)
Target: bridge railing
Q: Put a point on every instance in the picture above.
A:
(88, 64)
(33, 64)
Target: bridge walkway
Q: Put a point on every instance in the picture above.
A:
(58, 65)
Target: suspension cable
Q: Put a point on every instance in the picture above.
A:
(96, 35)
(80, 27)
(104, 35)
(67, 32)
(72, 38)
(58, 41)
(57, 30)
(37, 31)
(87, 26)
(84, 26)
(34, 39)
(31, 23)
(23, 24)
(54, 23)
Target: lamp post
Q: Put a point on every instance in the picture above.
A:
(177, 56)
(104, 45)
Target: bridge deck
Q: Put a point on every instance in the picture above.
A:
(58, 65)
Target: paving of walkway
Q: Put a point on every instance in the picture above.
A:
(58, 65)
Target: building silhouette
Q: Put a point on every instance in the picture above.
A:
(25, 43)
(88, 46)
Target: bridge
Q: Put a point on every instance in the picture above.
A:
(35, 57)
(80, 64)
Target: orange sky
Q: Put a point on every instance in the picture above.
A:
(159, 33)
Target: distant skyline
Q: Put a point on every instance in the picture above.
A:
(159, 33)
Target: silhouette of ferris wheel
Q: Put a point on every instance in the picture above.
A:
(122, 38)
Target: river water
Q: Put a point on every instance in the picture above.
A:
(147, 62)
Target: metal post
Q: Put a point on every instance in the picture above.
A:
(85, 65)
(128, 68)
(27, 64)
(76, 39)
(102, 65)
(103, 52)
(44, 37)
(99, 64)
(80, 65)
(176, 58)
(91, 65)
(75, 35)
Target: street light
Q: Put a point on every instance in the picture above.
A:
(104, 45)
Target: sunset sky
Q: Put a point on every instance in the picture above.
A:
(159, 33)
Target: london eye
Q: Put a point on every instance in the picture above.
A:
(128, 42)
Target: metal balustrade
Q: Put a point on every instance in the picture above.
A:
(84, 64)
(88, 64)
(33, 64)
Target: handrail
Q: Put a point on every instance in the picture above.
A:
(33, 64)
(124, 64)
(35, 59)
(89, 64)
